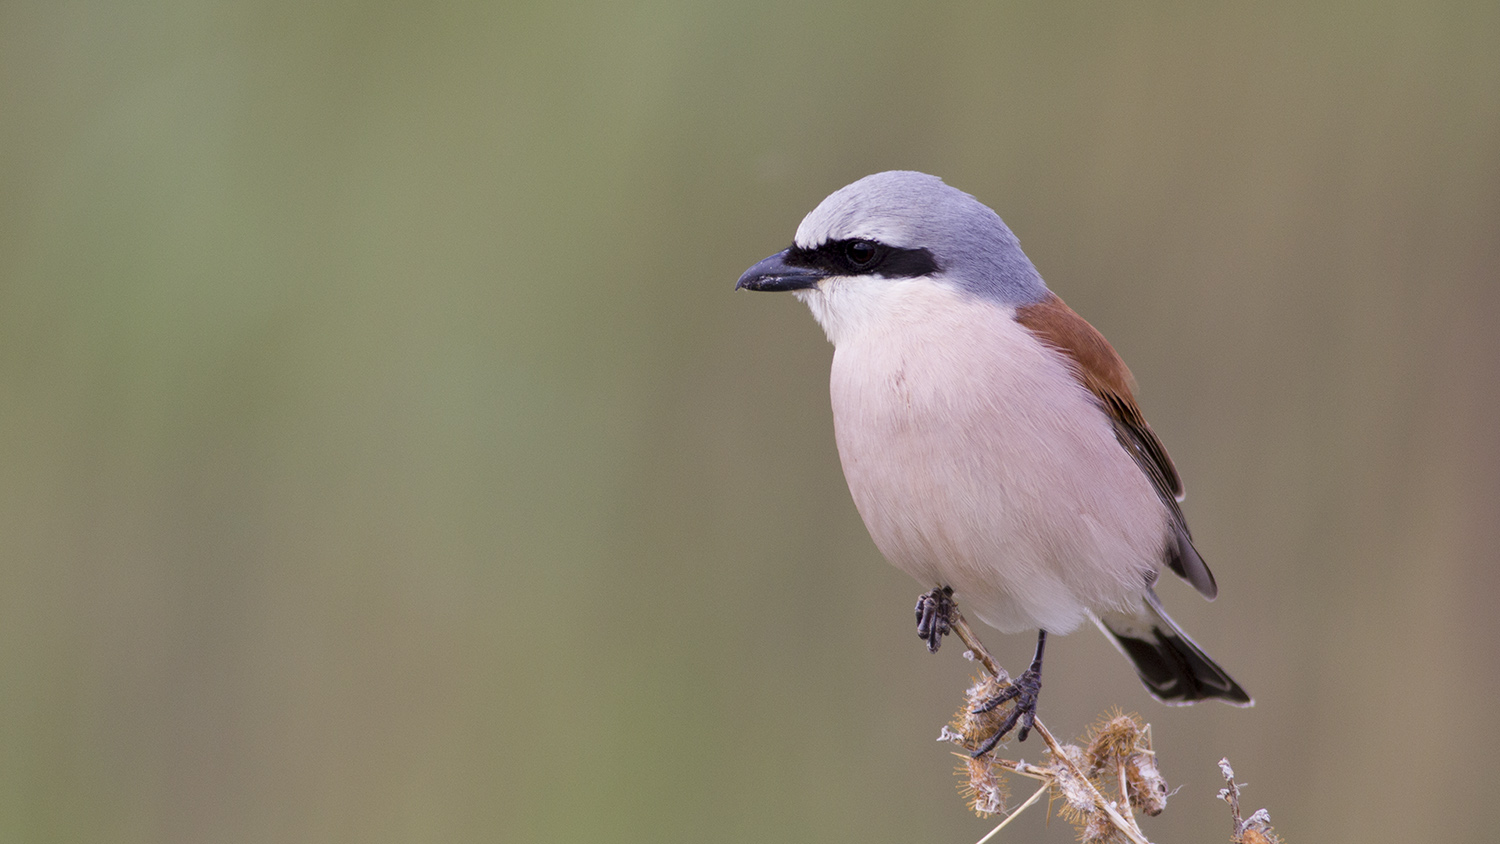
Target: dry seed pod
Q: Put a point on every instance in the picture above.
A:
(1112, 741)
(970, 729)
(1147, 787)
(1100, 830)
(1075, 792)
(984, 785)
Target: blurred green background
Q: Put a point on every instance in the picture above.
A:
(387, 457)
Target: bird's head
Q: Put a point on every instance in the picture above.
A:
(866, 247)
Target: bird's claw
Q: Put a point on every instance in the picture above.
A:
(934, 617)
(1023, 690)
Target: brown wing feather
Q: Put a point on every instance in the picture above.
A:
(1105, 375)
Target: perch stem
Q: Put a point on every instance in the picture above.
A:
(966, 634)
(976, 647)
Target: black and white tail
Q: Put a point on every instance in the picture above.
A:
(1173, 667)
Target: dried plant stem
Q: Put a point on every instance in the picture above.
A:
(1255, 829)
(1124, 826)
(1130, 829)
(965, 633)
(1021, 768)
(1125, 797)
(1019, 809)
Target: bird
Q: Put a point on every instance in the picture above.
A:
(990, 436)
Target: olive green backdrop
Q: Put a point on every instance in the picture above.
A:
(386, 456)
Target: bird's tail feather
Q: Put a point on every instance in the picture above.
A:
(1173, 667)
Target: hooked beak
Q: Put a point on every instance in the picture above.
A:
(775, 274)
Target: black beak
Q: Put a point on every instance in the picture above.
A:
(775, 274)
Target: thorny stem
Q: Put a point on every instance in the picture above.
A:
(977, 648)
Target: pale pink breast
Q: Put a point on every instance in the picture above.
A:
(978, 461)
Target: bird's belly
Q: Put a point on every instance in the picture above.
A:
(978, 461)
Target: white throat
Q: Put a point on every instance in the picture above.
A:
(848, 307)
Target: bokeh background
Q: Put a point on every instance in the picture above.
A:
(386, 456)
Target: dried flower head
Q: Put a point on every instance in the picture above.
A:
(982, 783)
(1099, 829)
(1078, 796)
(969, 729)
(1146, 786)
(1113, 740)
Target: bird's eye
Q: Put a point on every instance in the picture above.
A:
(861, 253)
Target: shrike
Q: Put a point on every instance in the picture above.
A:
(990, 436)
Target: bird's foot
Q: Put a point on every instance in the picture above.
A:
(1023, 690)
(934, 611)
